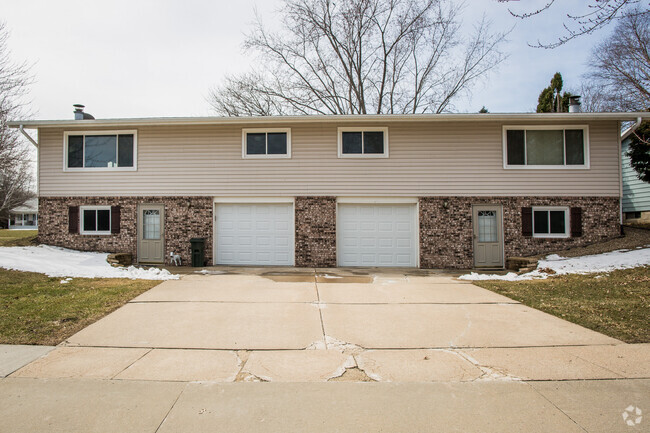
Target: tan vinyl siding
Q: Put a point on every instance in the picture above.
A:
(426, 159)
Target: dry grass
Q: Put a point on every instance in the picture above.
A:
(17, 238)
(36, 309)
(616, 304)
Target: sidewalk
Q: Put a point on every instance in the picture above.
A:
(83, 405)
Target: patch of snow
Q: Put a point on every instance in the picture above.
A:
(62, 262)
(596, 263)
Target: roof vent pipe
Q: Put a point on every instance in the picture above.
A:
(574, 104)
(79, 113)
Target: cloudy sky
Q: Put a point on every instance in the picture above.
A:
(145, 58)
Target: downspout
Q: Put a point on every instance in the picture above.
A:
(38, 156)
(622, 137)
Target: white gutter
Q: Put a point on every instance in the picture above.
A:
(632, 128)
(27, 136)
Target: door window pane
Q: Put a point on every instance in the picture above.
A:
(575, 149)
(125, 150)
(373, 142)
(151, 224)
(75, 151)
(90, 220)
(277, 143)
(256, 143)
(351, 142)
(101, 151)
(544, 147)
(516, 147)
(540, 218)
(487, 226)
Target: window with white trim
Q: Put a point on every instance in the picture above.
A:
(551, 222)
(546, 147)
(363, 142)
(100, 150)
(95, 220)
(266, 143)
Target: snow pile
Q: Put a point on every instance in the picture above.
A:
(61, 262)
(606, 262)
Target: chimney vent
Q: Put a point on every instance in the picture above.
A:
(574, 104)
(79, 113)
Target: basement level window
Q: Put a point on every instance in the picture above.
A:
(101, 150)
(551, 222)
(546, 147)
(266, 143)
(95, 220)
(363, 142)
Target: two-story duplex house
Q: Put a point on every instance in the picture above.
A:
(430, 191)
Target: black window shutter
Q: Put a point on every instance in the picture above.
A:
(73, 219)
(527, 221)
(115, 219)
(576, 222)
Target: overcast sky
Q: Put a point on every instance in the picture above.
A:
(145, 58)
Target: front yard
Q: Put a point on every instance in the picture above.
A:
(36, 309)
(17, 238)
(616, 304)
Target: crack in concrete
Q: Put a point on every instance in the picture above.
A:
(487, 373)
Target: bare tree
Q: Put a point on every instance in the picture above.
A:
(619, 70)
(360, 57)
(599, 14)
(15, 170)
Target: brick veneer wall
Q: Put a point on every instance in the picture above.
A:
(315, 231)
(185, 218)
(446, 232)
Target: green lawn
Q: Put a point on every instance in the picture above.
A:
(36, 309)
(17, 238)
(616, 304)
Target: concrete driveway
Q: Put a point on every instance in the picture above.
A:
(319, 325)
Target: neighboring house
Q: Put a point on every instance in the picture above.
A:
(430, 191)
(24, 217)
(636, 193)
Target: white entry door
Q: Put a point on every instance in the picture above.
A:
(377, 235)
(254, 234)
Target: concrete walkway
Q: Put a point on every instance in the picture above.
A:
(297, 326)
(181, 357)
(97, 406)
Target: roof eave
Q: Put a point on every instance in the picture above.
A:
(460, 117)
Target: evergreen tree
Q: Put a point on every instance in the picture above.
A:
(550, 100)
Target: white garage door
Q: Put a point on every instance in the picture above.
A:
(377, 235)
(254, 234)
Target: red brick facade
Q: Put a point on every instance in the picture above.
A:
(185, 218)
(445, 229)
(316, 232)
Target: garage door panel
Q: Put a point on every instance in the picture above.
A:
(377, 235)
(254, 234)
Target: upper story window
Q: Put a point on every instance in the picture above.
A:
(545, 147)
(100, 150)
(266, 143)
(363, 142)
